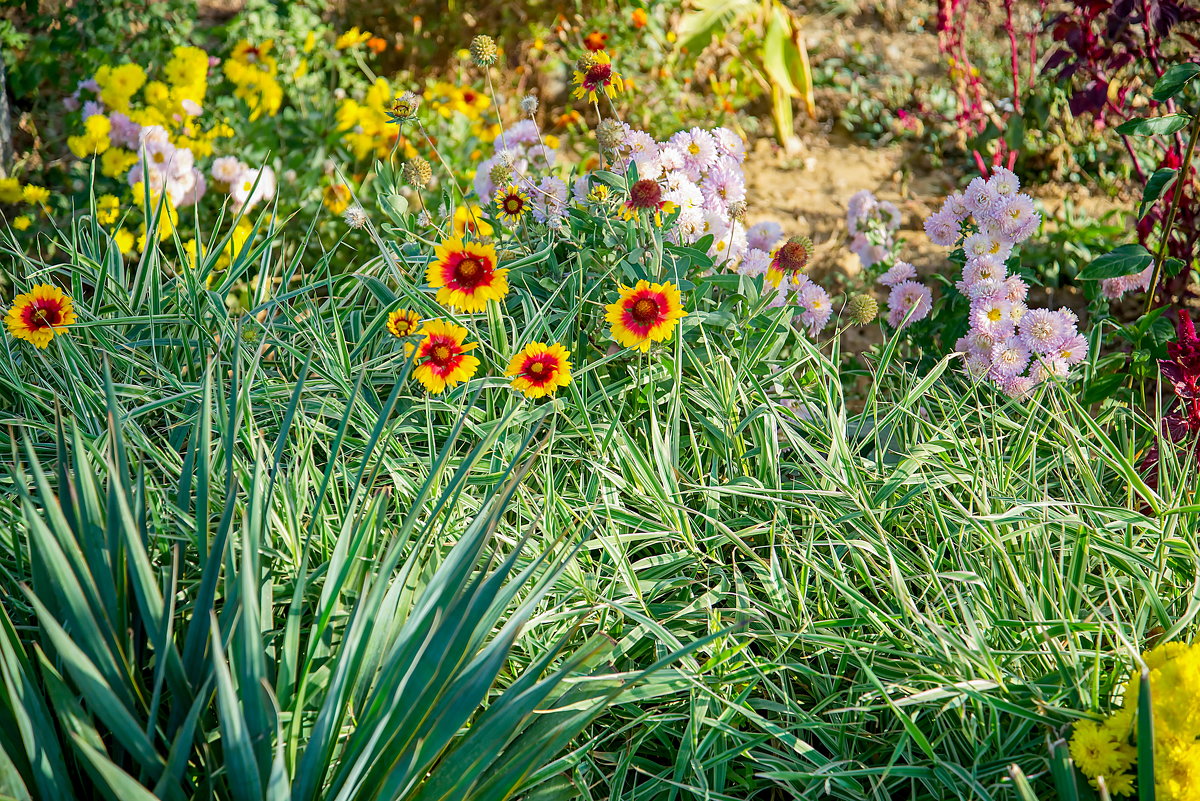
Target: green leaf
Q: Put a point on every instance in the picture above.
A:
(1159, 182)
(1154, 126)
(1174, 80)
(1145, 739)
(1124, 260)
(1173, 267)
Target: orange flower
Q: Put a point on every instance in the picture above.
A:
(644, 314)
(540, 369)
(639, 18)
(595, 40)
(40, 314)
(377, 44)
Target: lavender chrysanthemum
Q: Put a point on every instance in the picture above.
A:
(906, 296)
(898, 273)
(764, 235)
(942, 229)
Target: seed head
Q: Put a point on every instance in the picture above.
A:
(417, 171)
(737, 210)
(483, 51)
(862, 309)
(500, 173)
(586, 61)
(529, 104)
(356, 217)
(609, 134)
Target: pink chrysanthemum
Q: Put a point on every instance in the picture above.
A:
(1009, 358)
(905, 297)
(898, 273)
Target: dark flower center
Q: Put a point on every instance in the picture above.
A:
(43, 315)
(470, 272)
(441, 354)
(598, 74)
(513, 204)
(793, 257)
(469, 96)
(645, 194)
(644, 311)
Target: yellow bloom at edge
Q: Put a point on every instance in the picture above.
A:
(22, 222)
(35, 195)
(40, 314)
(351, 37)
(469, 219)
(10, 190)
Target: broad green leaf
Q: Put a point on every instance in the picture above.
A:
(1154, 126)
(1123, 260)
(1158, 183)
(1174, 80)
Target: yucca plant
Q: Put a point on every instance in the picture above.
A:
(157, 652)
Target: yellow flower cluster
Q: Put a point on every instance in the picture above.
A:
(119, 84)
(252, 70)
(365, 124)
(94, 140)
(1105, 748)
(447, 100)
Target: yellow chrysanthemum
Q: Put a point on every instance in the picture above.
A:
(22, 222)
(116, 162)
(10, 190)
(466, 275)
(442, 356)
(540, 369)
(35, 195)
(108, 208)
(645, 313)
(40, 314)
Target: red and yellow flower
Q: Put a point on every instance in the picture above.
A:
(442, 358)
(540, 369)
(646, 195)
(39, 314)
(403, 323)
(789, 260)
(466, 275)
(469, 220)
(645, 313)
(511, 205)
(595, 74)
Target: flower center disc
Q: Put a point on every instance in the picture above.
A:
(537, 368)
(793, 257)
(441, 353)
(645, 194)
(599, 73)
(512, 205)
(470, 272)
(645, 311)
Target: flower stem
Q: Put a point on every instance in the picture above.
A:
(1185, 170)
